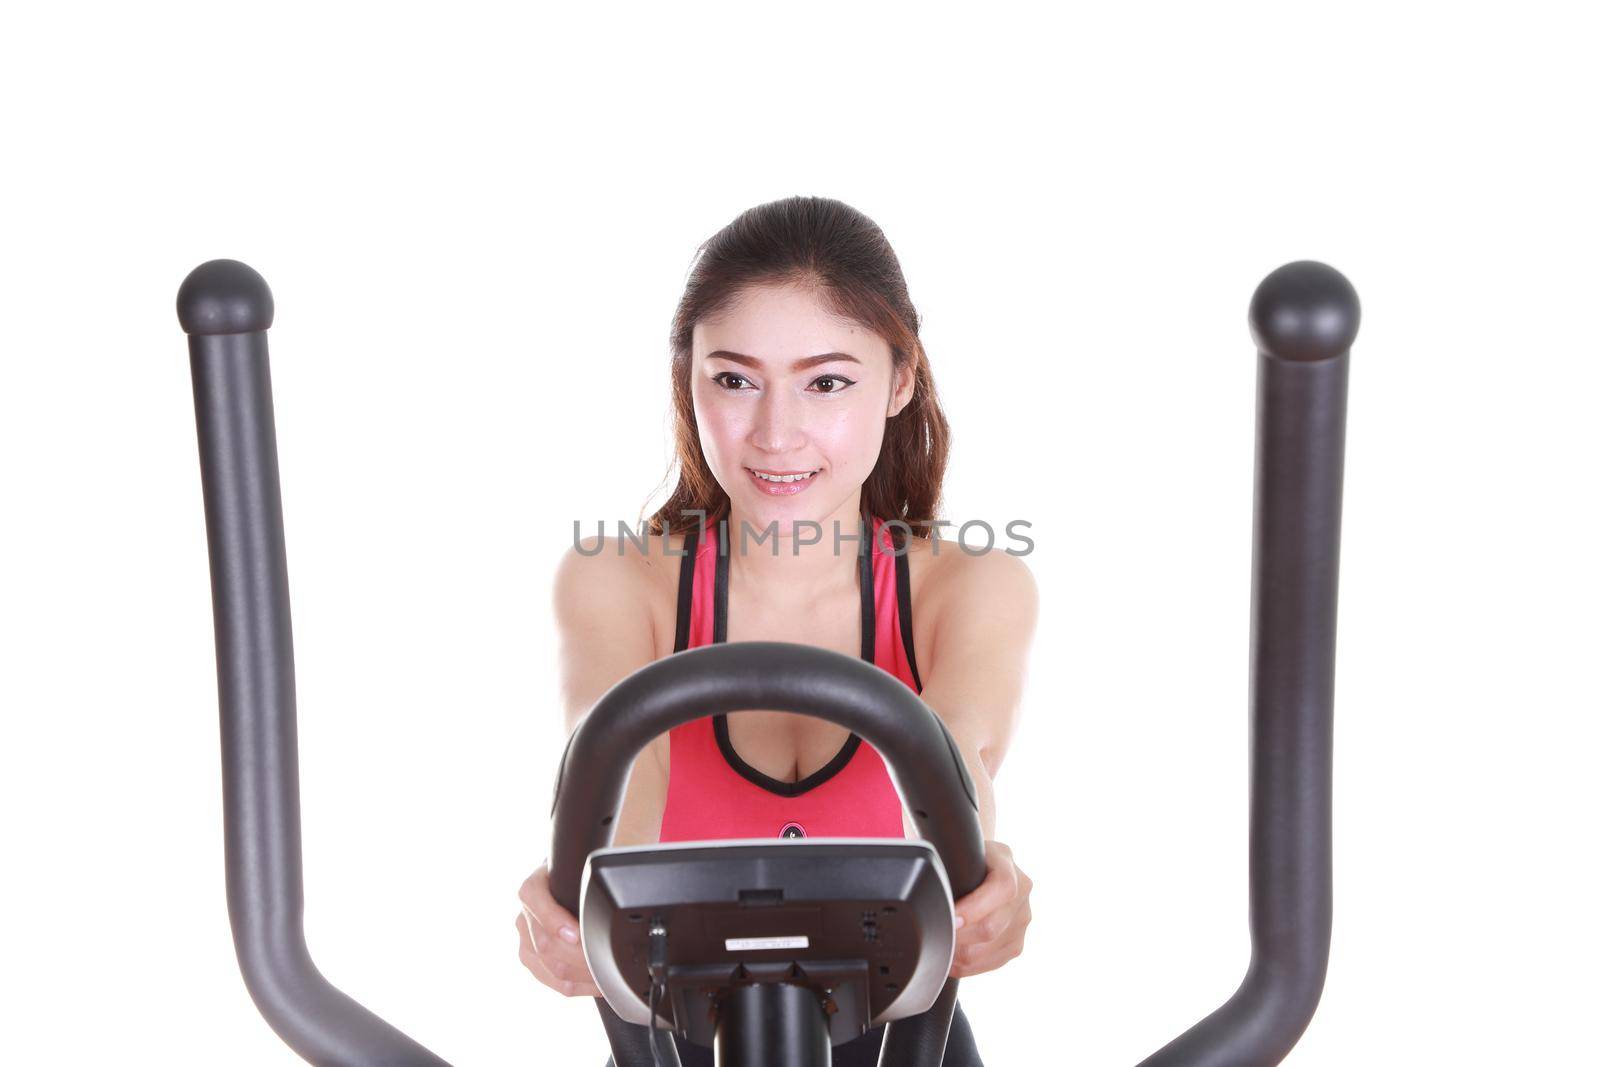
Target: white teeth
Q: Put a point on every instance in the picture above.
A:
(782, 477)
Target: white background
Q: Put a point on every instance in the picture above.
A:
(476, 221)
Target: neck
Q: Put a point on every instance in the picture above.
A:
(797, 571)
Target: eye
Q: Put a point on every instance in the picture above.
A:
(835, 378)
(718, 378)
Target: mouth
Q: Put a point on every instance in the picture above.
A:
(781, 483)
(782, 477)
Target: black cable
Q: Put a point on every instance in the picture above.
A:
(658, 982)
(655, 998)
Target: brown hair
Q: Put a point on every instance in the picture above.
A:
(827, 245)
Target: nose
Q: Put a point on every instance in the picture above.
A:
(778, 424)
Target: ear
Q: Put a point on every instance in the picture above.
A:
(904, 388)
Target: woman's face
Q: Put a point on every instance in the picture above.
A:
(781, 385)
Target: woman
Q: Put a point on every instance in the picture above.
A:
(804, 403)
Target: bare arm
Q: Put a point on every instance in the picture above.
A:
(605, 635)
(603, 622)
(987, 609)
(986, 612)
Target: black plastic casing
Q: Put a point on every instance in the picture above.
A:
(875, 916)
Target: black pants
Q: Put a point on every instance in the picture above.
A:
(959, 1049)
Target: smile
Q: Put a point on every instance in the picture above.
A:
(767, 476)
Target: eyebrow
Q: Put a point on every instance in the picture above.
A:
(799, 364)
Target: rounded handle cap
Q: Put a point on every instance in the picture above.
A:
(224, 296)
(1305, 311)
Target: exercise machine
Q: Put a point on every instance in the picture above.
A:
(774, 951)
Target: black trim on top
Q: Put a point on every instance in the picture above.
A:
(691, 542)
(719, 595)
(719, 629)
(869, 598)
(719, 726)
(902, 586)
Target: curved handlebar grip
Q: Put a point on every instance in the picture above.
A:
(1303, 317)
(921, 756)
(920, 753)
(226, 307)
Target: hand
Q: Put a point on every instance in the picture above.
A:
(550, 947)
(992, 920)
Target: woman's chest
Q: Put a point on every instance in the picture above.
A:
(780, 745)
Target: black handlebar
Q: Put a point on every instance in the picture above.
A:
(1304, 318)
(919, 751)
(225, 307)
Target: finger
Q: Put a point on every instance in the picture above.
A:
(557, 976)
(565, 986)
(534, 893)
(991, 908)
(1001, 923)
(982, 931)
(987, 956)
(524, 933)
(998, 887)
(529, 955)
(1013, 934)
(985, 913)
(564, 961)
(530, 885)
(990, 928)
(534, 937)
(543, 908)
(1002, 884)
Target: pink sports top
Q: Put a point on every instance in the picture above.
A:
(711, 792)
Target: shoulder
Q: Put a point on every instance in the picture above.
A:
(964, 589)
(612, 617)
(596, 575)
(618, 564)
(596, 563)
